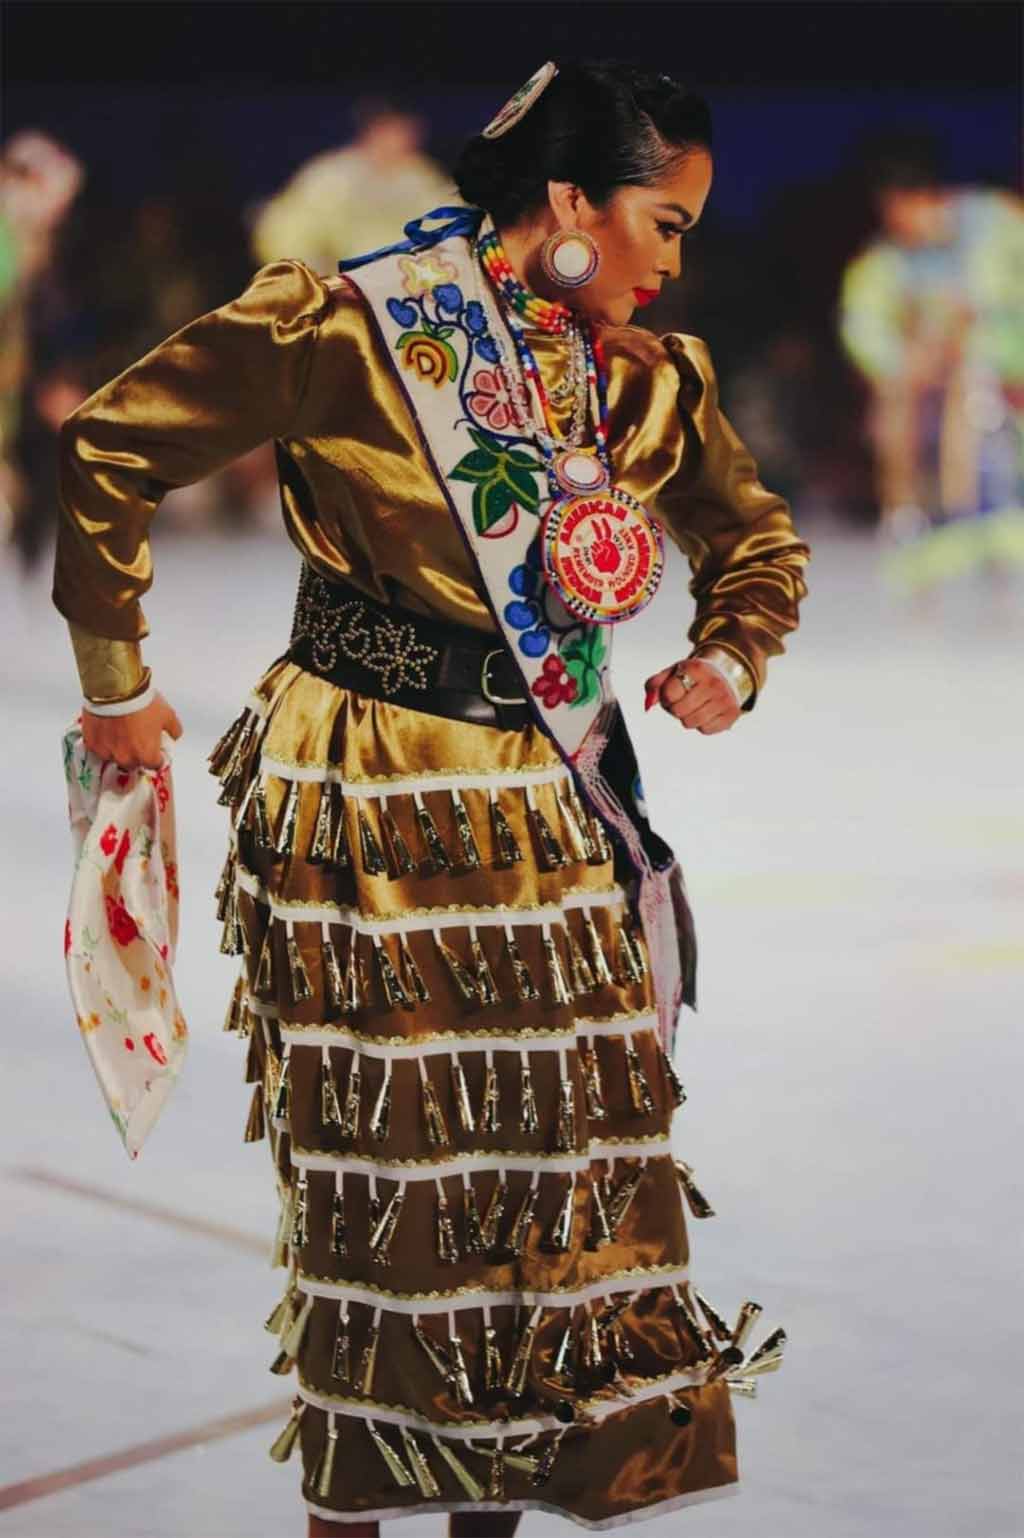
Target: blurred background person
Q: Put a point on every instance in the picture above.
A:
(354, 199)
(932, 314)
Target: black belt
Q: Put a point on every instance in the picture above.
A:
(395, 655)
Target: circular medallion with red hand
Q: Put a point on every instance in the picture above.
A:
(603, 554)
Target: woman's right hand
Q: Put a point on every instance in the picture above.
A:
(133, 741)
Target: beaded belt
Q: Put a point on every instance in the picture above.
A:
(393, 654)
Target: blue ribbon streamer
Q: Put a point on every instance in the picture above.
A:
(459, 221)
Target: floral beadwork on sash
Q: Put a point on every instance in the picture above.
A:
(445, 343)
(387, 648)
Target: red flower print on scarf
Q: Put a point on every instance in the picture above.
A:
(161, 784)
(154, 1048)
(495, 397)
(120, 922)
(108, 839)
(67, 936)
(554, 685)
(122, 851)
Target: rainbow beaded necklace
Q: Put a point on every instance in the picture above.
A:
(545, 314)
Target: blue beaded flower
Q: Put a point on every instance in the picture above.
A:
(401, 313)
(475, 320)
(524, 613)
(448, 297)
(487, 349)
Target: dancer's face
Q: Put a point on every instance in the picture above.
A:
(639, 234)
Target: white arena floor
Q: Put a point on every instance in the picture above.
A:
(855, 1076)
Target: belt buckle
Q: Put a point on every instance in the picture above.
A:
(485, 688)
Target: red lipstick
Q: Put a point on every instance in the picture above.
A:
(646, 295)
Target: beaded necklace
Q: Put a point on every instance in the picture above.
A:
(545, 314)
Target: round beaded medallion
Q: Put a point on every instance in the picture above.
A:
(577, 471)
(602, 554)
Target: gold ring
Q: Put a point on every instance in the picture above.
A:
(684, 678)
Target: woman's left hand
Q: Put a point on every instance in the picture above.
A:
(708, 704)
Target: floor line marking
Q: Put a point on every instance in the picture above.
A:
(237, 1237)
(143, 1452)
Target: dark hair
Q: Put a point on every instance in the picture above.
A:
(599, 125)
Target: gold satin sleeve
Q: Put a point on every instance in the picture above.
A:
(213, 391)
(746, 557)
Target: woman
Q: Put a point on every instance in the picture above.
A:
(463, 947)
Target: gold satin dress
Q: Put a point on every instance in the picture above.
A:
(445, 1004)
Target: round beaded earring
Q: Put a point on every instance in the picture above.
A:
(570, 258)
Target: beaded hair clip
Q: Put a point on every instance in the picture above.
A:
(519, 105)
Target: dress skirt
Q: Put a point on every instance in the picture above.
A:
(452, 1040)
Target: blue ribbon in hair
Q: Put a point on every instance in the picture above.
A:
(457, 221)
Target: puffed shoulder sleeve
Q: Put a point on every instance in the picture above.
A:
(216, 389)
(746, 558)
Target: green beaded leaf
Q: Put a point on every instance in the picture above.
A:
(500, 477)
(583, 656)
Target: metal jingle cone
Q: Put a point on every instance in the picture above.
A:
(640, 1096)
(437, 1128)
(350, 1107)
(258, 818)
(334, 982)
(526, 988)
(280, 1254)
(516, 1241)
(437, 857)
(256, 1122)
(220, 754)
(282, 1365)
(519, 1367)
(598, 960)
(492, 1217)
(595, 1368)
(695, 1198)
(354, 994)
(412, 978)
(323, 834)
(560, 994)
(620, 1342)
(748, 1316)
(460, 1093)
(679, 1411)
(282, 1097)
(581, 977)
(421, 1469)
(745, 1388)
(370, 852)
(399, 1473)
(233, 939)
(464, 831)
(692, 1330)
(593, 1089)
(496, 1477)
(340, 856)
(590, 849)
(231, 775)
(529, 1121)
(402, 862)
(384, 1231)
(602, 846)
(506, 849)
(551, 854)
(768, 1356)
(473, 1488)
(571, 828)
(301, 986)
(494, 1372)
(460, 1372)
(263, 984)
(486, 987)
(563, 1365)
(636, 945)
(281, 1447)
(725, 1361)
(253, 1054)
(368, 1360)
(623, 1195)
(341, 1356)
(225, 884)
(284, 840)
(490, 1110)
(271, 1079)
(546, 1462)
(719, 1326)
(629, 972)
(235, 1007)
(325, 1468)
(395, 995)
(559, 1235)
(460, 977)
(283, 1309)
(339, 1226)
(300, 1213)
(447, 1244)
(675, 1083)
(565, 1132)
(432, 1350)
(600, 1231)
(291, 1339)
(471, 1220)
(241, 814)
(380, 1116)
